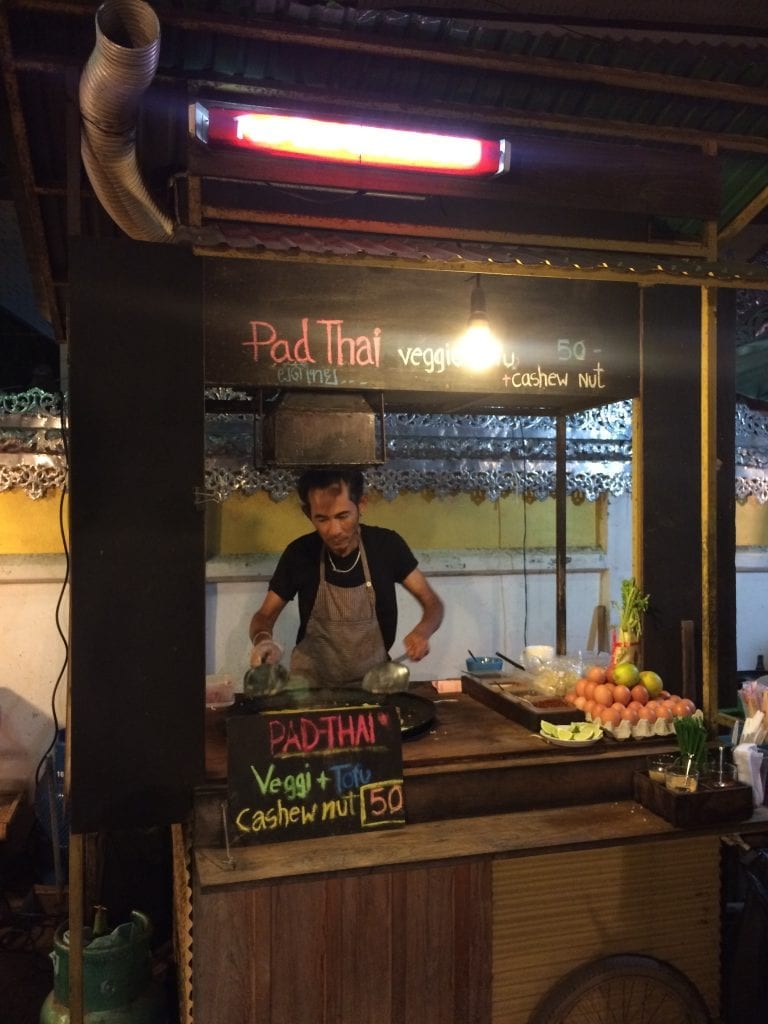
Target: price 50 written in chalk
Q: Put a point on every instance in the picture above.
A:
(382, 803)
(568, 350)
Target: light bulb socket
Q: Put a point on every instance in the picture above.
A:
(477, 313)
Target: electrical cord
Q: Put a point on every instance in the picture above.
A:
(62, 592)
(525, 535)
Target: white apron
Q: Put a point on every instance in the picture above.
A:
(343, 637)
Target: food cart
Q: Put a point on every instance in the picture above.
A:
(527, 878)
(460, 913)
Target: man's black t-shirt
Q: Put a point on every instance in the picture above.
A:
(390, 560)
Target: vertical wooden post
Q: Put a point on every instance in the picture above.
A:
(667, 499)
(688, 659)
(709, 501)
(74, 214)
(76, 875)
(136, 394)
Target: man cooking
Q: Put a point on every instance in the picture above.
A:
(345, 575)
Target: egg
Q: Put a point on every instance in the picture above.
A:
(647, 713)
(685, 707)
(629, 714)
(610, 717)
(580, 687)
(580, 702)
(589, 689)
(595, 674)
(604, 694)
(639, 693)
(621, 694)
(663, 713)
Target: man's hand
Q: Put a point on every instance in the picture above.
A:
(265, 651)
(416, 645)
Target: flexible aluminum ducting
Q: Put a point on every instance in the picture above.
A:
(118, 72)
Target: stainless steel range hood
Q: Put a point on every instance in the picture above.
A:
(328, 429)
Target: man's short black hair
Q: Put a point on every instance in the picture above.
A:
(320, 479)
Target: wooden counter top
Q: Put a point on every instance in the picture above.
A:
(465, 733)
(505, 835)
(473, 761)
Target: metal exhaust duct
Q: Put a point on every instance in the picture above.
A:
(311, 429)
(116, 75)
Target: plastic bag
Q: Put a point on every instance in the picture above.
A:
(558, 675)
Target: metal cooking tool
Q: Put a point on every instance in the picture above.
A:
(515, 663)
(265, 680)
(390, 677)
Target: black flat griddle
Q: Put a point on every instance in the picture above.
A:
(416, 713)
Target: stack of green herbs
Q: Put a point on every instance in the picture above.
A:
(634, 604)
(692, 737)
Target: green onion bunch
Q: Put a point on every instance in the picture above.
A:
(692, 739)
(634, 604)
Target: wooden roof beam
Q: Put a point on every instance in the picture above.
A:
(632, 275)
(321, 223)
(745, 217)
(549, 172)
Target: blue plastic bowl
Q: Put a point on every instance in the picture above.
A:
(485, 664)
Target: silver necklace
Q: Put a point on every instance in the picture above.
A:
(342, 571)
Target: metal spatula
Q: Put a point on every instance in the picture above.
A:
(390, 677)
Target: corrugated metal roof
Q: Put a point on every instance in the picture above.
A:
(584, 80)
(701, 67)
(256, 240)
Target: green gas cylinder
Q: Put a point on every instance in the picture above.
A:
(118, 986)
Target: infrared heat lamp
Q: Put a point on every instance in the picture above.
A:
(341, 142)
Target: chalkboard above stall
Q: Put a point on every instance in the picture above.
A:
(289, 326)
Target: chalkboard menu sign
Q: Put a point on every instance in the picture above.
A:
(324, 771)
(320, 327)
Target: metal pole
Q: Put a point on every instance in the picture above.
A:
(560, 536)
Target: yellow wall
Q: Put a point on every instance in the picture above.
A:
(30, 527)
(257, 523)
(751, 524)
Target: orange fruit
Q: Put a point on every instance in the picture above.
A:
(626, 673)
(652, 682)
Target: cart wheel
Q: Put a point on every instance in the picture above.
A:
(622, 990)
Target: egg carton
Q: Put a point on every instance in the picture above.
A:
(641, 730)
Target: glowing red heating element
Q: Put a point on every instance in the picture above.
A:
(307, 138)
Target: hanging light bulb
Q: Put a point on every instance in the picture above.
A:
(477, 349)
